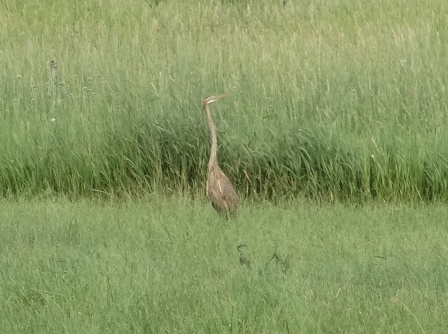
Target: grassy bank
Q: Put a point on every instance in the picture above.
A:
(146, 268)
(328, 99)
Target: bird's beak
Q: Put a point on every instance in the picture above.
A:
(212, 99)
(221, 96)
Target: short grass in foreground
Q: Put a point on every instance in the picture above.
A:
(172, 266)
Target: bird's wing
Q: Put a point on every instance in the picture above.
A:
(225, 189)
(220, 187)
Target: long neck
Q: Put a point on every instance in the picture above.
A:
(214, 142)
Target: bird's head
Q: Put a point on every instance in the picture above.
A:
(212, 99)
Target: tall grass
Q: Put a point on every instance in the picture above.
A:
(329, 99)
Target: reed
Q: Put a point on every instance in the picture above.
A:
(337, 100)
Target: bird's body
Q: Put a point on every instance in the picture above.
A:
(220, 190)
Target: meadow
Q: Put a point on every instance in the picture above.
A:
(334, 133)
(329, 100)
(173, 266)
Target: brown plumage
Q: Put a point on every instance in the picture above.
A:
(220, 190)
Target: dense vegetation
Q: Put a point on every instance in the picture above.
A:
(328, 99)
(164, 266)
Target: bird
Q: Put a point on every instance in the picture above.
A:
(220, 190)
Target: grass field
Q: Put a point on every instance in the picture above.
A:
(334, 133)
(172, 266)
(340, 100)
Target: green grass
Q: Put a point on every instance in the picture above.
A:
(339, 102)
(330, 99)
(172, 266)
